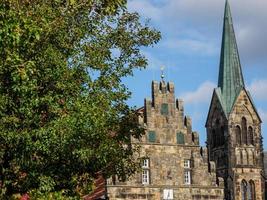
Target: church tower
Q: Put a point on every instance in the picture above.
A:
(233, 126)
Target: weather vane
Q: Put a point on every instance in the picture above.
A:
(162, 72)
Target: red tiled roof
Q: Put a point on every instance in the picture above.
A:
(99, 191)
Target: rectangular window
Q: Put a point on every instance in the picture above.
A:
(180, 138)
(145, 163)
(145, 176)
(187, 177)
(168, 194)
(187, 164)
(151, 136)
(145, 172)
(164, 109)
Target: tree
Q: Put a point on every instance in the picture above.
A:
(63, 115)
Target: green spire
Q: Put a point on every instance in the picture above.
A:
(230, 75)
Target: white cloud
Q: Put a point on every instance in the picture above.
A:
(187, 46)
(258, 89)
(201, 95)
(175, 18)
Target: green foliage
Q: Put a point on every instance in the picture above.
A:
(63, 115)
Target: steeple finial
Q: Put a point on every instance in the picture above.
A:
(162, 72)
(230, 74)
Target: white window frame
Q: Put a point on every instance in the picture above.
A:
(145, 172)
(145, 164)
(187, 164)
(168, 194)
(187, 177)
(145, 176)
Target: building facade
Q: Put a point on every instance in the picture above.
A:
(174, 166)
(234, 138)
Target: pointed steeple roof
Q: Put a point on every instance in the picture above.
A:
(230, 74)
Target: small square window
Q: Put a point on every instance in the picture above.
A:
(145, 163)
(187, 164)
(168, 194)
(164, 109)
(151, 136)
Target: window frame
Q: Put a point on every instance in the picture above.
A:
(145, 177)
(187, 177)
(145, 163)
(187, 163)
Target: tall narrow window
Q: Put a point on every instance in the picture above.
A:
(244, 131)
(251, 189)
(250, 136)
(244, 190)
(145, 177)
(145, 172)
(238, 135)
(187, 177)
(187, 172)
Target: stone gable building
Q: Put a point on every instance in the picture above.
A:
(174, 166)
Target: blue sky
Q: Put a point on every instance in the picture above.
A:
(190, 51)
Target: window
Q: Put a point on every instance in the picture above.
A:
(250, 136)
(151, 136)
(244, 190)
(251, 190)
(238, 135)
(164, 109)
(145, 172)
(187, 164)
(167, 194)
(180, 138)
(187, 177)
(187, 172)
(244, 131)
(145, 177)
(145, 163)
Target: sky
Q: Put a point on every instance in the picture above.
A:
(190, 51)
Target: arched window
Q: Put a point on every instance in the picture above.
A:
(250, 136)
(244, 188)
(251, 190)
(238, 135)
(244, 130)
